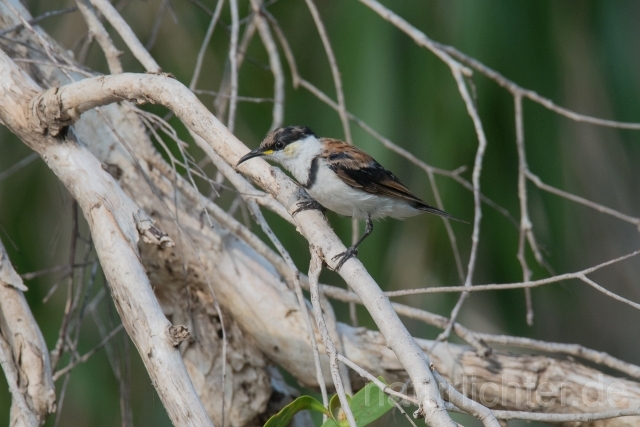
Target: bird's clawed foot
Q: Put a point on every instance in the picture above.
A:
(344, 256)
(308, 204)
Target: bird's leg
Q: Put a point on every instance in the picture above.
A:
(353, 250)
(307, 204)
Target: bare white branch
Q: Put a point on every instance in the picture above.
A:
(335, 72)
(315, 268)
(110, 214)
(295, 278)
(514, 88)
(233, 61)
(23, 354)
(23, 415)
(468, 405)
(274, 63)
(97, 30)
(127, 34)
(205, 44)
(521, 285)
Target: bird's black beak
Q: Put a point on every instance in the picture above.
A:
(250, 155)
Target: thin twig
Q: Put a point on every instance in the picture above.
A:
(56, 353)
(447, 225)
(224, 93)
(556, 418)
(468, 405)
(288, 53)
(57, 65)
(125, 386)
(40, 18)
(414, 313)
(315, 268)
(525, 222)
(239, 98)
(335, 72)
(597, 357)
(274, 63)
(233, 61)
(600, 208)
(202, 7)
(97, 30)
(157, 23)
(332, 325)
(520, 285)
(128, 36)
(17, 166)
(382, 386)
(205, 44)
(608, 293)
(295, 275)
(88, 354)
(533, 96)
(477, 171)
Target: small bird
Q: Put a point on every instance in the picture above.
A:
(340, 177)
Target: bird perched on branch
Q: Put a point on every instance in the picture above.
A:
(342, 178)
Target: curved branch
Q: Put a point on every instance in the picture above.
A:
(56, 107)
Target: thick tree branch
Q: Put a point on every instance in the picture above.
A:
(24, 352)
(111, 218)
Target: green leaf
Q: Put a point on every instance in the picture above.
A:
(367, 405)
(334, 407)
(333, 423)
(282, 418)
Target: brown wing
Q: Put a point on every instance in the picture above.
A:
(359, 170)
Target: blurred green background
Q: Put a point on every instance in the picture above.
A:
(584, 55)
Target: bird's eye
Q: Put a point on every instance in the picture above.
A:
(279, 145)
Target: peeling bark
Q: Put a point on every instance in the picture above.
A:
(25, 352)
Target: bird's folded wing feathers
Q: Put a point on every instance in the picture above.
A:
(359, 170)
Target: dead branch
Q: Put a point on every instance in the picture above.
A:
(110, 214)
(24, 352)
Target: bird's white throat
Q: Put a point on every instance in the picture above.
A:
(297, 157)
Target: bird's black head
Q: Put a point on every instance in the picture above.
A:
(277, 140)
(281, 137)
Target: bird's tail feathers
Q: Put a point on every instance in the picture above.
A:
(436, 211)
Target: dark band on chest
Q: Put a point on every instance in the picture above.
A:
(313, 173)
